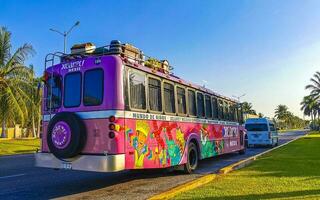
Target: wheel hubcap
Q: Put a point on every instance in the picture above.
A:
(61, 135)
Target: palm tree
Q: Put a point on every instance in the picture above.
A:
(315, 86)
(247, 108)
(307, 105)
(281, 112)
(260, 115)
(14, 81)
(310, 107)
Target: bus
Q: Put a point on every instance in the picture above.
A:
(113, 108)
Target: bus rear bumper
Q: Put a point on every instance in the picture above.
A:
(96, 163)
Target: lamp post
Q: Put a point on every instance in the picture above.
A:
(65, 34)
(238, 97)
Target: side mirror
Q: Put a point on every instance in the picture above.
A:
(278, 129)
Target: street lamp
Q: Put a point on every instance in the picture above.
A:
(65, 34)
(238, 97)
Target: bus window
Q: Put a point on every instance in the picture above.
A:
(54, 92)
(181, 99)
(169, 102)
(72, 90)
(208, 107)
(215, 108)
(137, 90)
(200, 104)
(234, 112)
(220, 109)
(272, 128)
(155, 102)
(240, 114)
(229, 106)
(192, 103)
(93, 87)
(225, 110)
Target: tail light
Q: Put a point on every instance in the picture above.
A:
(112, 135)
(112, 127)
(112, 119)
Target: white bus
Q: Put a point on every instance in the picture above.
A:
(261, 131)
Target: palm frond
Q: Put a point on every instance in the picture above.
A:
(5, 46)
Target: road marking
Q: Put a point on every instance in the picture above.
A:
(12, 176)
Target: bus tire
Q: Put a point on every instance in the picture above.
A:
(66, 135)
(243, 151)
(192, 158)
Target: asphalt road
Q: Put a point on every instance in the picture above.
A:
(19, 179)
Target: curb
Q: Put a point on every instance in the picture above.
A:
(208, 178)
(246, 162)
(28, 138)
(184, 187)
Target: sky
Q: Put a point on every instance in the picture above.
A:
(265, 49)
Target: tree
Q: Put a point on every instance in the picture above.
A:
(315, 95)
(14, 81)
(281, 112)
(247, 108)
(34, 107)
(307, 105)
(315, 86)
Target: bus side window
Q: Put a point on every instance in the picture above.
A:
(235, 113)
(181, 100)
(200, 104)
(225, 110)
(230, 108)
(192, 109)
(220, 109)
(215, 108)
(208, 107)
(240, 114)
(169, 100)
(272, 128)
(155, 99)
(137, 90)
(53, 85)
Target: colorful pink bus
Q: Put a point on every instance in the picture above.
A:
(111, 108)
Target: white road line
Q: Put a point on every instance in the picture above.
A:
(11, 176)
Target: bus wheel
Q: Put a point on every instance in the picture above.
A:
(243, 151)
(192, 159)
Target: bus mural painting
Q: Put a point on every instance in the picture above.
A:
(123, 111)
(140, 143)
(207, 145)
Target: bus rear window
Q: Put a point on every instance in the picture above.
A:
(256, 127)
(72, 90)
(53, 92)
(93, 87)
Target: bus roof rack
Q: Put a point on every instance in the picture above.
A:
(125, 50)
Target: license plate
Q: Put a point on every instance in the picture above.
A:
(66, 165)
